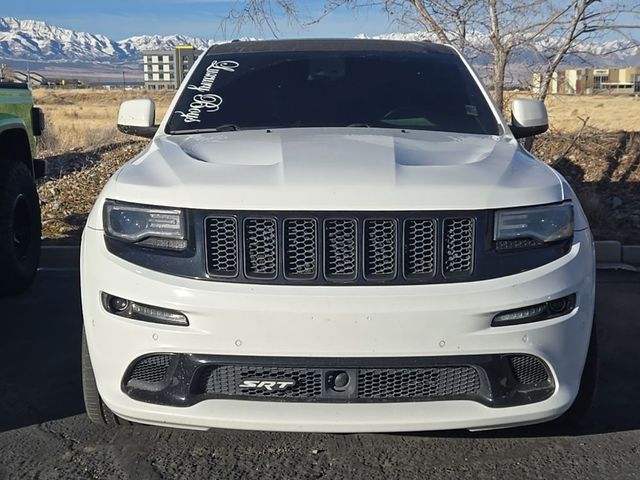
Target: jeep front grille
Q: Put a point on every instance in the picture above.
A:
(352, 248)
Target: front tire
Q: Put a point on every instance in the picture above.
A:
(20, 228)
(97, 411)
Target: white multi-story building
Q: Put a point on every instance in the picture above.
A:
(159, 69)
(165, 69)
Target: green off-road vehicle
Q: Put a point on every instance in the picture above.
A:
(20, 224)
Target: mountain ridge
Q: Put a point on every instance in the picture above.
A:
(37, 41)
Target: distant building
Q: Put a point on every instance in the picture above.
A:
(8, 74)
(166, 69)
(590, 81)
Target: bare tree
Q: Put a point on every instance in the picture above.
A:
(493, 28)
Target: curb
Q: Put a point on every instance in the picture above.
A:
(612, 255)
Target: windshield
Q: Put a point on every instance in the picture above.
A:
(425, 91)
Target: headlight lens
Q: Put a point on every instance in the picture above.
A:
(544, 224)
(150, 226)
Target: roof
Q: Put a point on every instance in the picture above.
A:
(329, 45)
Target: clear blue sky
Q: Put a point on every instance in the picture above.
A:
(202, 18)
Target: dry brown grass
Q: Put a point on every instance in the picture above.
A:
(79, 119)
(607, 113)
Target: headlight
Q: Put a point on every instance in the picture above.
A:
(522, 227)
(149, 226)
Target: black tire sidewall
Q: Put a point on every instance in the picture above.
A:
(18, 272)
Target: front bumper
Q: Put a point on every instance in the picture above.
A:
(376, 322)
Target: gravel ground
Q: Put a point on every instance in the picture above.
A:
(73, 182)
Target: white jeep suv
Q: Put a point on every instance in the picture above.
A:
(338, 236)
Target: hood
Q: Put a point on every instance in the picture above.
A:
(336, 169)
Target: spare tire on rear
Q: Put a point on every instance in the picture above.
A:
(20, 228)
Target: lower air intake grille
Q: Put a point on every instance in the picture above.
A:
(528, 370)
(369, 384)
(186, 379)
(151, 369)
(226, 380)
(418, 382)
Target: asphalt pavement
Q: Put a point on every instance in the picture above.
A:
(44, 433)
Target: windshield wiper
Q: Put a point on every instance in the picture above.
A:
(227, 127)
(359, 125)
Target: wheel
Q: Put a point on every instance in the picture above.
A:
(581, 405)
(19, 228)
(97, 411)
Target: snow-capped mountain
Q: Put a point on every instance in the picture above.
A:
(33, 40)
(612, 53)
(37, 41)
(134, 45)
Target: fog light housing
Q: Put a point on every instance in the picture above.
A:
(140, 311)
(117, 304)
(535, 313)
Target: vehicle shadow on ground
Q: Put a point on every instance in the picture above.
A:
(40, 357)
(40, 352)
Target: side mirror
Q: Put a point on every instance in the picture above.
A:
(138, 117)
(528, 118)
